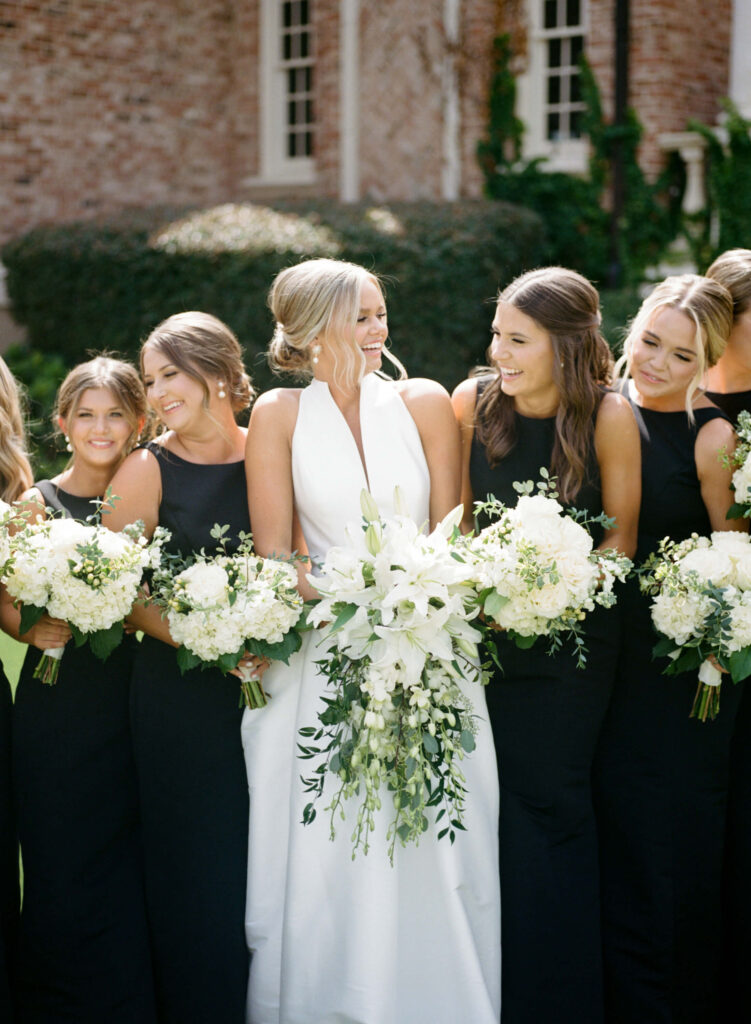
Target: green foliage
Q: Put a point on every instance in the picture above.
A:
(578, 228)
(90, 286)
(726, 223)
(40, 374)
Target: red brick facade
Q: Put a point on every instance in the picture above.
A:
(110, 103)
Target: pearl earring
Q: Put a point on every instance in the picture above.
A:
(221, 392)
(316, 350)
(68, 445)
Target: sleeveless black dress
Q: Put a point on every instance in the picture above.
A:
(84, 950)
(546, 716)
(8, 855)
(192, 785)
(737, 951)
(661, 780)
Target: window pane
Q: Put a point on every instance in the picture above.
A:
(554, 53)
(573, 14)
(575, 124)
(309, 112)
(305, 44)
(291, 145)
(307, 79)
(550, 16)
(286, 14)
(304, 13)
(553, 126)
(286, 47)
(295, 5)
(554, 89)
(291, 113)
(308, 139)
(577, 46)
(575, 89)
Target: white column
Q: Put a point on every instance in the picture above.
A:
(451, 168)
(349, 97)
(740, 58)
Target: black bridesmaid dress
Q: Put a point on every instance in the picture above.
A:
(192, 784)
(84, 949)
(546, 716)
(8, 855)
(661, 780)
(737, 897)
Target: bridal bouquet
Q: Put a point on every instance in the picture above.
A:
(397, 724)
(740, 462)
(701, 589)
(221, 607)
(80, 572)
(536, 572)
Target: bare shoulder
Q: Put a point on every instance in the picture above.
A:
(464, 400)
(141, 464)
(423, 396)
(615, 410)
(715, 435)
(278, 407)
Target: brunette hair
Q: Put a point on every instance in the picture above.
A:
(15, 470)
(567, 306)
(320, 298)
(707, 304)
(733, 269)
(202, 346)
(118, 377)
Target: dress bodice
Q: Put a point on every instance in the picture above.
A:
(671, 505)
(195, 496)
(732, 403)
(531, 452)
(328, 473)
(62, 501)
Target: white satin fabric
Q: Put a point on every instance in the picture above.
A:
(336, 940)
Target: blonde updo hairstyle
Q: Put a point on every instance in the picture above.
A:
(204, 348)
(707, 304)
(15, 471)
(733, 270)
(116, 376)
(320, 299)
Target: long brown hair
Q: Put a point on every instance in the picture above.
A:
(15, 471)
(567, 306)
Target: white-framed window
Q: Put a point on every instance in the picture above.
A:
(287, 83)
(549, 97)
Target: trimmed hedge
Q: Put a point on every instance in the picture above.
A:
(85, 287)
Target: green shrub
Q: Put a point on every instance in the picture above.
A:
(90, 286)
(40, 374)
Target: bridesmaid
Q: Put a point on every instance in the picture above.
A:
(15, 478)
(730, 388)
(186, 728)
(661, 776)
(83, 951)
(546, 404)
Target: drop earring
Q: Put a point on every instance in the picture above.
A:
(68, 445)
(316, 350)
(221, 392)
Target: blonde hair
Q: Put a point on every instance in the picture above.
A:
(567, 306)
(706, 303)
(116, 376)
(202, 346)
(733, 270)
(15, 470)
(320, 298)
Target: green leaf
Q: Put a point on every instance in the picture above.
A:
(524, 642)
(493, 603)
(342, 618)
(79, 638)
(186, 660)
(740, 664)
(104, 641)
(430, 743)
(663, 648)
(30, 615)
(467, 741)
(281, 651)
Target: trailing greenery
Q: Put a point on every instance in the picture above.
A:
(573, 209)
(86, 287)
(726, 222)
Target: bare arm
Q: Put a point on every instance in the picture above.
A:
(430, 408)
(268, 468)
(618, 449)
(137, 488)
(712, 440)
(463, 401)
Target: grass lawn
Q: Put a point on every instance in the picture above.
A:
(12, 655)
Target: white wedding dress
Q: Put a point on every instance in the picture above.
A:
(335, 940)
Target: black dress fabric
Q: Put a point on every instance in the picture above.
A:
(84, 950)
(8, 855)
(546, 716)
(661, 781)
(192, 784)
(737, 902)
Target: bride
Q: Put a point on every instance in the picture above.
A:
(335, 939)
